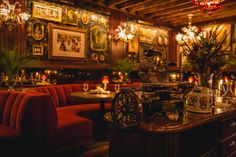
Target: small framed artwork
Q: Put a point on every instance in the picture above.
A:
(133, 45)
(181, 58)
(98, 38)
(38, 30)
(71, 16)
(66, 42)
(47, 12)
(37, 50)
(147, 36)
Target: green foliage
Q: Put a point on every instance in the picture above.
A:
(125, 66)
(206, 53)
(11, 62)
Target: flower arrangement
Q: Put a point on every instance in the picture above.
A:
(206, 55)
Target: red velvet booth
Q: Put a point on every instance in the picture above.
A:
(74, 127)
(21, 127)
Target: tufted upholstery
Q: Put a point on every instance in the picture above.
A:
(72, 128)
(21, 128)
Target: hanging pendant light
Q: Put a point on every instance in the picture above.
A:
(208, 5)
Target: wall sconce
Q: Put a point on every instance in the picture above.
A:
(123, 33)
(105, 81)
(11, 15)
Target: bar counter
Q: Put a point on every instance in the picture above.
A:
(177, 134)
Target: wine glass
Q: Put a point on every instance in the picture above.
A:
(85, 87)
(117, 87)
(54, 81)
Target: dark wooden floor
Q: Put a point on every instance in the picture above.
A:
(98, 149)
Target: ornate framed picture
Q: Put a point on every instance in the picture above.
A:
(147, 36)
(98, 38)
(66, 42)
(37, 50)
(47, 11)
(38, 30)
(133, 45)
(71, 16)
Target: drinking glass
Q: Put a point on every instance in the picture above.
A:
(117, 87)
(54, 81)
(85, 87)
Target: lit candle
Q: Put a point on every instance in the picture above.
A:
(220, 84)
(219, 99)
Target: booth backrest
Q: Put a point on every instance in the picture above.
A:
(13, 106)
(61, 93)
(32, 114)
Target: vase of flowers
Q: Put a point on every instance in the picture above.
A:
(206, 55)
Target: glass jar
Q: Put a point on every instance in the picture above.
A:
(200, 100)
(228, 96)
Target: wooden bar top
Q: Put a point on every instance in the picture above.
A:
(178, 121)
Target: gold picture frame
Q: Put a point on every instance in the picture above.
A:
(147, 35)
(37, 50)
(47, 12)
(98, 38)
(71, 16)
(66, 42)
(133, 45)
(37, 30)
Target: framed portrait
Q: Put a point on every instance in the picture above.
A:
(71, 16)
(37, 30)
(47, 12)
(37, 50)
(147, 36)
(181, 59)
(133, 45)
(66, 42)
(98, 38)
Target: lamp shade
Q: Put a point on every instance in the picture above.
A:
(105, 80)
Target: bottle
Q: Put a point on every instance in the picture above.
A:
(228, 96)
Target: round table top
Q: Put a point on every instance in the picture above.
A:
(93, 95)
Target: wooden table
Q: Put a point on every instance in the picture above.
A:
(95, 97)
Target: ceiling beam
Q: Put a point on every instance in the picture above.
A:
(182, 16)
(131, 3)
(148, 4)
(217, 18)
(113, 2)
(170, 5)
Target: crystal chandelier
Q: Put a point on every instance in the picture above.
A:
(123, 33)
(189, 32)
(208, 5)
(11, 15)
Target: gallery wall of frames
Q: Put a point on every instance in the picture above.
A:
(65, 33)
(74, 35)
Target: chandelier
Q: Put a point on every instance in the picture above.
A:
(189, 32)
(123, 33)
(11, 15)
(208, 5)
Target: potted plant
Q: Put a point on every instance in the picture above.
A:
(124, 66)
(11, 62)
